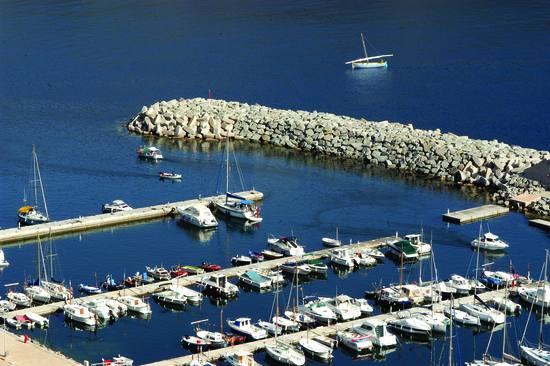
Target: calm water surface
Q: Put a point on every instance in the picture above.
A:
(75, 71)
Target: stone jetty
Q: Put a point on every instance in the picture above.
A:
(491, 165)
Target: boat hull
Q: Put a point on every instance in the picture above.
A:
(369, 65)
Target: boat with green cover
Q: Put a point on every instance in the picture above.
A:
(404, 249)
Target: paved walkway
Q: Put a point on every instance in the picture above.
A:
(28, 354)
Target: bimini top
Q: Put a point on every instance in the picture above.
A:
(247, 202)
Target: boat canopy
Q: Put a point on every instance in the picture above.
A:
(231, 195)
(247, 202)
(255, 276)
(490, 236)
(406, 247)
(25, 209)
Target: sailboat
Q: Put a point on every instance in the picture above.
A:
(538, 355)
(3, 262)
(57, 290)
(34, 290)
(234, 205)
(30, 215)
(368, 62)
(330, 242)
(281, 352)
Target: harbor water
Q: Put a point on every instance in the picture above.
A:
(76, 71)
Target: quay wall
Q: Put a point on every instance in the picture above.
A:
(491, 165)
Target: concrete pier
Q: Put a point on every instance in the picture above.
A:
(544, 224)
(145, 290)
(475, 214)
(295, 337)
(104, 220)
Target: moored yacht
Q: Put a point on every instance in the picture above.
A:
(115, 206)
(198, 215)
(149, 152)
(344, 307)
(158, 273)
(538, 296)
(79, 314)
(316, 349)
(170, 297)
(342, 257)
(255, 279)
(321, 312)
(285, 245)
(461, 317)
(135, 304)
(241, 358)
(489, 241)
(379, 334)
(484, 313)
(423, 249)
(38, 294)
(218, 285)
(355, 341)
(19, 299)
(403, 249)
(409, 325)
(245, 327)
(300, 269)
(285, 354)
(461, 285)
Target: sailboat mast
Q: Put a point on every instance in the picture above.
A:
(543, 300)
(35, 203)
(41, 186)
(477, 263)
(451, 332)
(364, 46)
(226, 167)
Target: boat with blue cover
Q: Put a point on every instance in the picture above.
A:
(255, 279)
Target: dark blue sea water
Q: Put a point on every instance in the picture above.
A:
(71, 73)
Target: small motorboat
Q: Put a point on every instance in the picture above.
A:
(19, 299)
(210, 267)
(270, 327)
(214, 339)
(410, 326)
(276, 276)
(288, 325)
(501, 303)
(393, 296)
(300, 269)
(377, 330)
(299, 316)
(255, 279)
(135, 304)
(342, 258)
(245, 327)
(255, 256)
(241, 260)
(241, 358)
(321, 312)
(158, 273)
(327, 341)
(363, 259)
(194, 270)
(12, 322)
(194, 343)
(178, 271)
(6, 306)
(423, 249)
(317, 266)
(355, 341)
(462, 317)
(403, 249)
(437, 321)
(538, 296)
(24, 321)
(111, 285)
(169, 175)
(485, 314)
(170, 297)
(373, 252)
(117, 361)
(460, 284)
(198, 215)
(39, 320)
(149, 152)
(138, 279)
(87, 289)
(331, 242)
(80, 314)
(315, 348)
(490, 242)
(269, 254)
(497, 279)
(192, 296)
(364, 306)
(115, 206)
(344, 307)
(99, 307)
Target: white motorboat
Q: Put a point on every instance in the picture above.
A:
(158, 273)
(321, 312)
(437, 321)
(373, 252)
(245, 327)
(149, 152)
(170, 297)
(38, 294)
(169, 175)
(116, 361)
(485, 314)
(285, 245)
(489, 241)
(115, 206)
(80, 314)
(393, 296)
(501, 303)
(462, 317)
(332, 242)
(403, 249)
(194, 343)
(301, 269)
(460, 284)
(6, 306)
(270, 327)
(192, 296)
(288, 325)
(215, 339)
(198, 215)
(255, 279)
(423, 249)
(269, 254)
(19, 299)
(443, 289)
(57, 290)
(497, 278)
(241, 358)
(368, 62)
(117, 308)
(341, 257)
(29, 214)
(317, 266)
(344, 307)
(276, 276)
(285, 354)
(315, 348)
(364, 306)
(39, 320)
(135, 304)
(355, 341)
(327, 341)
(538, 296)
(241, 260)
(218, 285)
(379, 334)
(3, 262)
(537, 356)
(410, 325)
(363, 259)
(99, 307)
(415, 293)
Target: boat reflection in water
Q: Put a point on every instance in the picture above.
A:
(202, 235)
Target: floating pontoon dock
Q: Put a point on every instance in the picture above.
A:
(540, 223)
(475, 214)
(145, 290)
(109, 219)
(295, 337)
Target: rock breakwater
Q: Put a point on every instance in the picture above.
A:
(492, 165)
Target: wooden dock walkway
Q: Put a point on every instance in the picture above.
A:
(544, 224)
(295, 337)
(475, 214)
(104, 220)
(145, 290)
